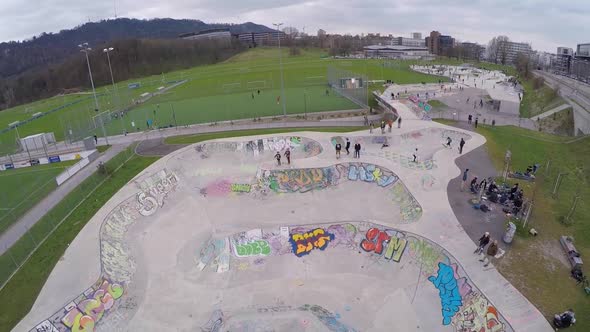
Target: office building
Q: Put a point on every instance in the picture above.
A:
(583, 51)
(508, 51)
(561, 62)
(321, 33)
(412, 42)
(211, 34)
(416, 35)
(580, 68)
(439, 44)
(261, 38)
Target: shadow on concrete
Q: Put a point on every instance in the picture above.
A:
(156, 147)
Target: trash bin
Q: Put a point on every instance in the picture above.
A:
(509, 235)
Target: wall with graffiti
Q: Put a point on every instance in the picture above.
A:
(299, 145)
(463, 307)
(102, 299)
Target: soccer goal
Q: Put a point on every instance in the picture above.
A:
(256, 85)
(231, 87)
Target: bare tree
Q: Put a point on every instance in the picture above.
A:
(498, 49)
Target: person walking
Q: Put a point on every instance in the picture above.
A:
(470, 117)
(490, 253)
(464, 179)
(371, 128)
(415, 155)
(278, 158)
(399, 122)
(382, 127)
(493, 122)
(347, 147)
(483, 242)
(357, 150)
(461, 144)
(288, 156)
(476, 121)
(338, 148)
(95, 139)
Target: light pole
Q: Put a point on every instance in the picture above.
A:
(115, 91)
(85, 49)
(278, 25)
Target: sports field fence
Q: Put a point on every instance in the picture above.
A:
(350, 85)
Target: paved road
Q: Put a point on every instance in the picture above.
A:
(153, 146)
(16, 231)
(551, 112)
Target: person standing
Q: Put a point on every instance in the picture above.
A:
(470, 117)
(399, 122)
(415, 155)
(461, 144)
(347, 147)
(288, 156)
(338, 148)
(483, 242)
(95, 139)
(382, 127)
(357, 150)
(278, 158)
(371, 128)
(491, 252)
(464, 179)
(476, 120)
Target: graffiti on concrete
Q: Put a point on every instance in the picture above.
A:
(214, 323)
(410, 209)
(377, 241)
(429, 182)
(448, 289)
(117, 264)
(215, 254)
(304, 243)
(84, 312)
(254, 248)
(300, 145)
(330, 320)
(241, 187)
(306, 179)
(371, 173)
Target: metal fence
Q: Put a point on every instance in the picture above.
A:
(352, 86)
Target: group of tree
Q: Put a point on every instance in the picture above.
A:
(130, 58)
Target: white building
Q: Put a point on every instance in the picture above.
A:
(508, 51)
(411, 42)
(211, 34)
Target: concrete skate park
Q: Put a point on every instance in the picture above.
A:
(218, 237)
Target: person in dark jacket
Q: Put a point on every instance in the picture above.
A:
(491, 252)
(483, 242)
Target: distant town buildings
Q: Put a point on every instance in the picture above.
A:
(508, 51)
(397, 52)
(412, 42)
(439, 44)
(562, 61)
(261, 38)
(210, 34)
(321, 33)
(416, 35)
(580, 67)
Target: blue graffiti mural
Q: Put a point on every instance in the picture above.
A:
(448, 291)
(370, 173)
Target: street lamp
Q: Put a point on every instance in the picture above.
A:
(115, 92)
(85, 49)
(278, 25)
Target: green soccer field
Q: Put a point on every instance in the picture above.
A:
(22, 188)
(212, 93)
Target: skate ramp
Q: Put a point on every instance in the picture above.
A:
(216, 237)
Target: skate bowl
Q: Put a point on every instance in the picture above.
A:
(217, 237)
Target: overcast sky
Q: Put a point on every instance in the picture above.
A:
(545, 24)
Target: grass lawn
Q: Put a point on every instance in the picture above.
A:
(190, 139)
(213, 93)
(22, 188)
(21, 291)
(436, 103)
(537, 265)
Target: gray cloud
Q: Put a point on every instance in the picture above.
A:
(544, 23)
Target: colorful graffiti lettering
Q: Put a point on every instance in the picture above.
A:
(410, 210)
(374, 240)
(303, 180)
(370, 173)
(304, 243)
(448, 292)
(240, 187)
(254, 248)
